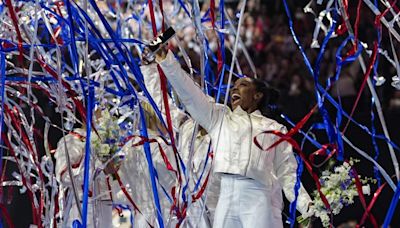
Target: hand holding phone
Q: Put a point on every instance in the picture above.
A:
(156, 44)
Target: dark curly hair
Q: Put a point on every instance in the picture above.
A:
(269, 102)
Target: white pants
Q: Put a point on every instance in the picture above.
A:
(244, 202)
(103, 218)
(193, 219)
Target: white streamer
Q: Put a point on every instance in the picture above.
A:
(373, 92)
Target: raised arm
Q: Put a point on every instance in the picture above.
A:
(286, 170)
(153, 86)
(201, 109)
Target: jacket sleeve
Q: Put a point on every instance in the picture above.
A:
(134, 173)
(75, 149)
(201, 109)
(153, 86)
(286, 170)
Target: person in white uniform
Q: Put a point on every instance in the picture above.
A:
(184, 126)
(74, 145)
(251, 179)
(134, 175)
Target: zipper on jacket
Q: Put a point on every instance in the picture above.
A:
(250, 141)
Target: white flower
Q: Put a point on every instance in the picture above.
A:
(366, 189)
(105, 149)
(339, 189)
(324, 219)
(325, 173)
(108, 133)
(309, 213)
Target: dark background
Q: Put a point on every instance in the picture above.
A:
(271, 22)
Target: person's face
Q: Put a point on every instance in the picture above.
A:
(244, 93)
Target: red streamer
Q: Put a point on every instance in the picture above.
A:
(15, 22)
(72, 94)
(5, 215)
(287, 137)
(362, 199)
(24, 182)
(31, 150)
(121, 185)
(372, 60)
(371, 204)
(163, 83)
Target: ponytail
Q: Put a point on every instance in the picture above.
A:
(268, 105)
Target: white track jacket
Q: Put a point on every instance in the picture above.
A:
(232, 133)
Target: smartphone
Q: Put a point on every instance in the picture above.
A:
(161, 39)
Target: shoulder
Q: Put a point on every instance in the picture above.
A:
(188, 123)
(273, 124)
(221, 106)
(77, 135)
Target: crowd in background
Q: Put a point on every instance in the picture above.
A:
(266, 36)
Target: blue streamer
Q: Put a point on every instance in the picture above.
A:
(108, 59)
(126, 207)
(184, 7)
(86, 180)
(375, 145)
(136, 71)
(222, 40)
(292, 208)
(373, 130)
(111, 8)
(333, 133)
(204, 168)
(162, 187)
(2, 93)
(323, 91)
(296, 40)
(74, 52)
(392, 207)
(364, 128)
(149, 159)
(72, 46)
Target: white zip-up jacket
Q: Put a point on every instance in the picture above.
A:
(232, 133)
(75, 143)
(134, 176)
(184, 126)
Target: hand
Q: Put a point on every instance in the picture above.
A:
(306, 219)
(312, 219)
(147, 57)
(113, 166)
(305, 222)
(161, 54)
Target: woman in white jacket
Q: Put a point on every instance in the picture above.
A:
(132, 170)
(74, 145)
(184, 126)
(251, 179)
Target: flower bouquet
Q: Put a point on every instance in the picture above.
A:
(106, 142)
(339, 188)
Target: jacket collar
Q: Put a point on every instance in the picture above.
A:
(239, 110)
